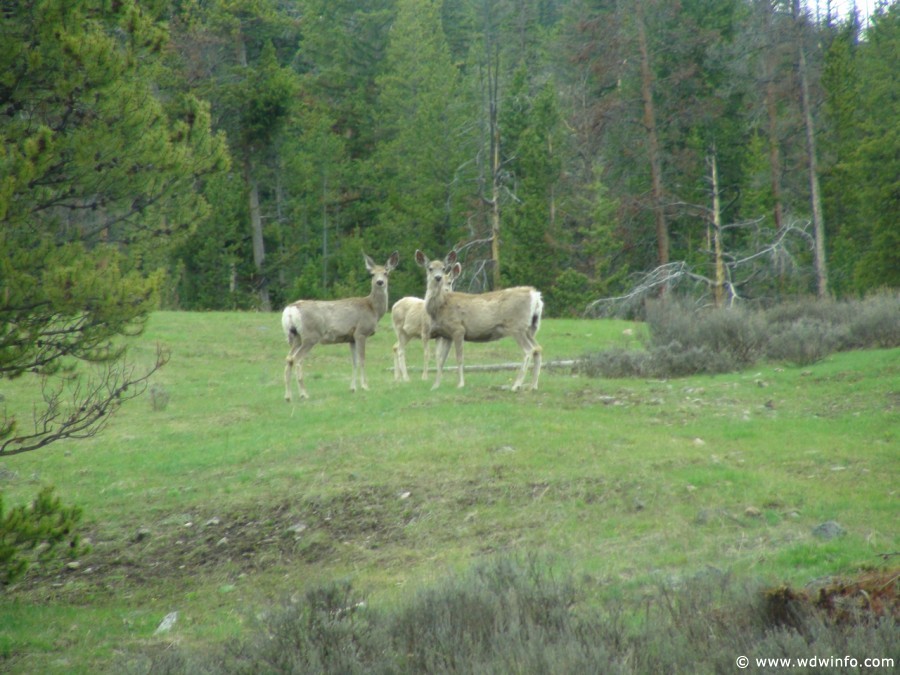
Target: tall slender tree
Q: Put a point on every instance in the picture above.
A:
(812, 159)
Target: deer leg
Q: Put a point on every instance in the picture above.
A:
(353, 360)
(443, 351)
(361, 357)
(458, 344)
(527, 345)
(537, 366)
(288, 371)
(426, 347)
(290, 362)
(295, 359)
(402, 341)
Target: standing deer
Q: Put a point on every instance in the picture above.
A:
(411, 321)
(457, 317)
(307, 323)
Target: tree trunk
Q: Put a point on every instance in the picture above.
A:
(814, 193)
(662, 231)
(256, 228)
(772, 118)
(719, 287)
(493, 71)
(256, 231)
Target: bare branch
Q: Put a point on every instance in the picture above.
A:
(90, 405)
(772, 251)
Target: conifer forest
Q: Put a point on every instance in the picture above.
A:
(242, 154)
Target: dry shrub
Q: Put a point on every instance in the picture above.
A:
(686, 340)
(509, 616)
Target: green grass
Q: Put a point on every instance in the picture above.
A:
(249, 500)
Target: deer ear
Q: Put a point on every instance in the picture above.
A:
(369, 262)
(421, 258)
(393, 261)
(451, 257)
(457, 270)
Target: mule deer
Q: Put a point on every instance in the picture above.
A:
(457, 317)
(307, 323)
(411, 321)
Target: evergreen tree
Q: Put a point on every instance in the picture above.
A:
(875, 165)
(242, 47)
(841, 137)
(422, 138)
(530, 126)
(97, 173)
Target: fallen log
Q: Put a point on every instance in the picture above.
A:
(491, 367)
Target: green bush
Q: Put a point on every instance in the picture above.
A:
(33, 533)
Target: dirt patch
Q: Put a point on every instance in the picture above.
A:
(851, 599)
(179, 545)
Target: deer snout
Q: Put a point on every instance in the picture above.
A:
(379, 282)
(438, 277)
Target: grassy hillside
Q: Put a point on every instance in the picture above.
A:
(228, 500)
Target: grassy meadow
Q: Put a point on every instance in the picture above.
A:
(228, 500)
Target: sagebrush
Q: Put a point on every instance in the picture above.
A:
(506, 615)
(685, 340)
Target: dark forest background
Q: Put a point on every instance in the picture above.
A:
(241, 154)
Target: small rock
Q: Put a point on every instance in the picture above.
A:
(405, 495)
(752, 512)
(699, 442)
(212, 521)
(829, 530)
(74, 565)
(166, 625)
(222, 542)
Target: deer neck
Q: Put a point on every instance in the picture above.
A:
(379, 299)
(434, 300)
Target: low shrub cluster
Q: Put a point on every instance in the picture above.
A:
(686, 341)
(32, 534)
(506, 616)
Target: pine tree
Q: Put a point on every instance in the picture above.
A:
(96, 173)
(421, 129)
(35, 532)
(874, 166)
